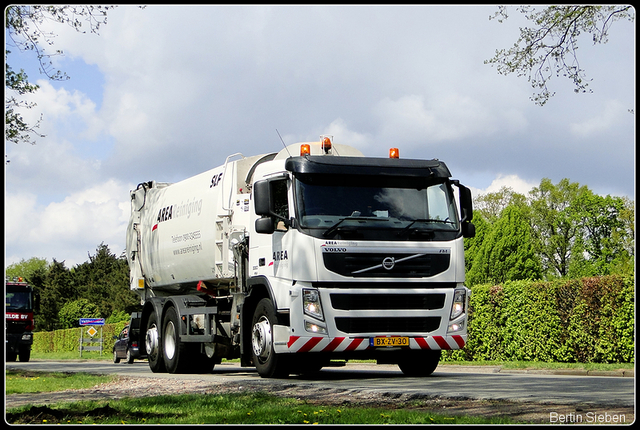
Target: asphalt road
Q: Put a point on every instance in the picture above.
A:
(458, 382)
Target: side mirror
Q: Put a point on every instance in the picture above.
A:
(468, 230)
(262, 198)
(264, 225)
(466, 203)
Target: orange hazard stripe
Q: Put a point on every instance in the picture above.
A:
(342, 344)
(310, 344)
(459, 340)
(335, 342)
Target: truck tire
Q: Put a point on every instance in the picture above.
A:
(267, 362)
(172, 347)
(153, 345)
(421, 363)
(24, 354)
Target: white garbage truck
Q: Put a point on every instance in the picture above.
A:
(302, 259)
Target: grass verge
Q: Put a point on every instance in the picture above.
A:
(20, 381)
(236, 408)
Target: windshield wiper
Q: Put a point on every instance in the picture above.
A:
(427, 230)
(331, 230)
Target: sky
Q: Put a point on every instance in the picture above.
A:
(167, 92)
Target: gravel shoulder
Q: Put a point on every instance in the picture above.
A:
(145, 387)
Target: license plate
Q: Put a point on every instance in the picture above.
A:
(389, 341)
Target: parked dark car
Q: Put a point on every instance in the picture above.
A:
(125, 347)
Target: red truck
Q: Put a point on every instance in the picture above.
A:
(19, 323)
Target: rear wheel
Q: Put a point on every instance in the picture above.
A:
(267, 362)
(152, 345)
(421, 363)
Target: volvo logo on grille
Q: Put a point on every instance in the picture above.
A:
(388, 263)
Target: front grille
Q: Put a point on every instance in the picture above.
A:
(348, 302)
(371, 265)
(388, 325)
(385, 285)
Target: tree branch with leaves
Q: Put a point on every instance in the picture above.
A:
(24, 32)
(550, 47)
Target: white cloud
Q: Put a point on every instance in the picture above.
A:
(62, 110)
(69, 229)
(609, 117)
(514, 182)
(343, 135)
(67, 158)
(451, 117)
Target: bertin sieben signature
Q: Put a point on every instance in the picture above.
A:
(587, 418)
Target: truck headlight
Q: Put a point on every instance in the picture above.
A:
(459, 303)
(456, 326)
(311, 303)
(315, 328)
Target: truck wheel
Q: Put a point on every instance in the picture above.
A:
(152, 345)
(420, 363)
(172, 347)
(24, 354)
(267, 362)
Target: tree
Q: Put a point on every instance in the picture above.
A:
(58, 289)
(16, 129)
(550, 47)
(28, 269)
(492, 204)
(507, 252)
(23, 31)
(555, 223)
(604, 237)
(71, 312)
(579, 233)
(104, 279)
(473, 245)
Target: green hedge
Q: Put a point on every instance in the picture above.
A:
(588, 320)
(69, 339)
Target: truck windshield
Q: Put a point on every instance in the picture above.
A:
(18, 301)
(374, 208)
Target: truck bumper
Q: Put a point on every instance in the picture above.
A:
(285, 342)
(16, 341)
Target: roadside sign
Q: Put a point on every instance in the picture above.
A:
(92, 331)
(91, 321)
